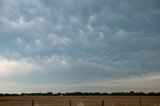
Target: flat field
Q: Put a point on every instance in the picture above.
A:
(80, 101)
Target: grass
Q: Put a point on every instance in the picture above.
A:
(80, 101)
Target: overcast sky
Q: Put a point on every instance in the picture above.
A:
(79, 45)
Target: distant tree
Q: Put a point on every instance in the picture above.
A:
(131, 93)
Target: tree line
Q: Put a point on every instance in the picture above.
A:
(131, 93)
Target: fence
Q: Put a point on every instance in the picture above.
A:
(81, 102)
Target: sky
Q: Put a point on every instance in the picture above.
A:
(79, 45)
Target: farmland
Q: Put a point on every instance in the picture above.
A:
(80, 101)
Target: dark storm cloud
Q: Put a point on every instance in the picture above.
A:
(86, 40)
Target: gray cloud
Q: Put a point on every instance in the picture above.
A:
(73, 42)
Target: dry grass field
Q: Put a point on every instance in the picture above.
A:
(80, 101)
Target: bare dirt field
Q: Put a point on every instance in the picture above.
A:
(80, 101)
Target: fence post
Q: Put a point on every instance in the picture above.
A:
(102, 102)
(32, 103)
(69, 102)
(140, 101)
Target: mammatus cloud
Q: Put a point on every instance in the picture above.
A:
(88, 44)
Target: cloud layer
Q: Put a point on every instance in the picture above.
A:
(79, 43)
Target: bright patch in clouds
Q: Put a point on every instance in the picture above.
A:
(11, 68)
